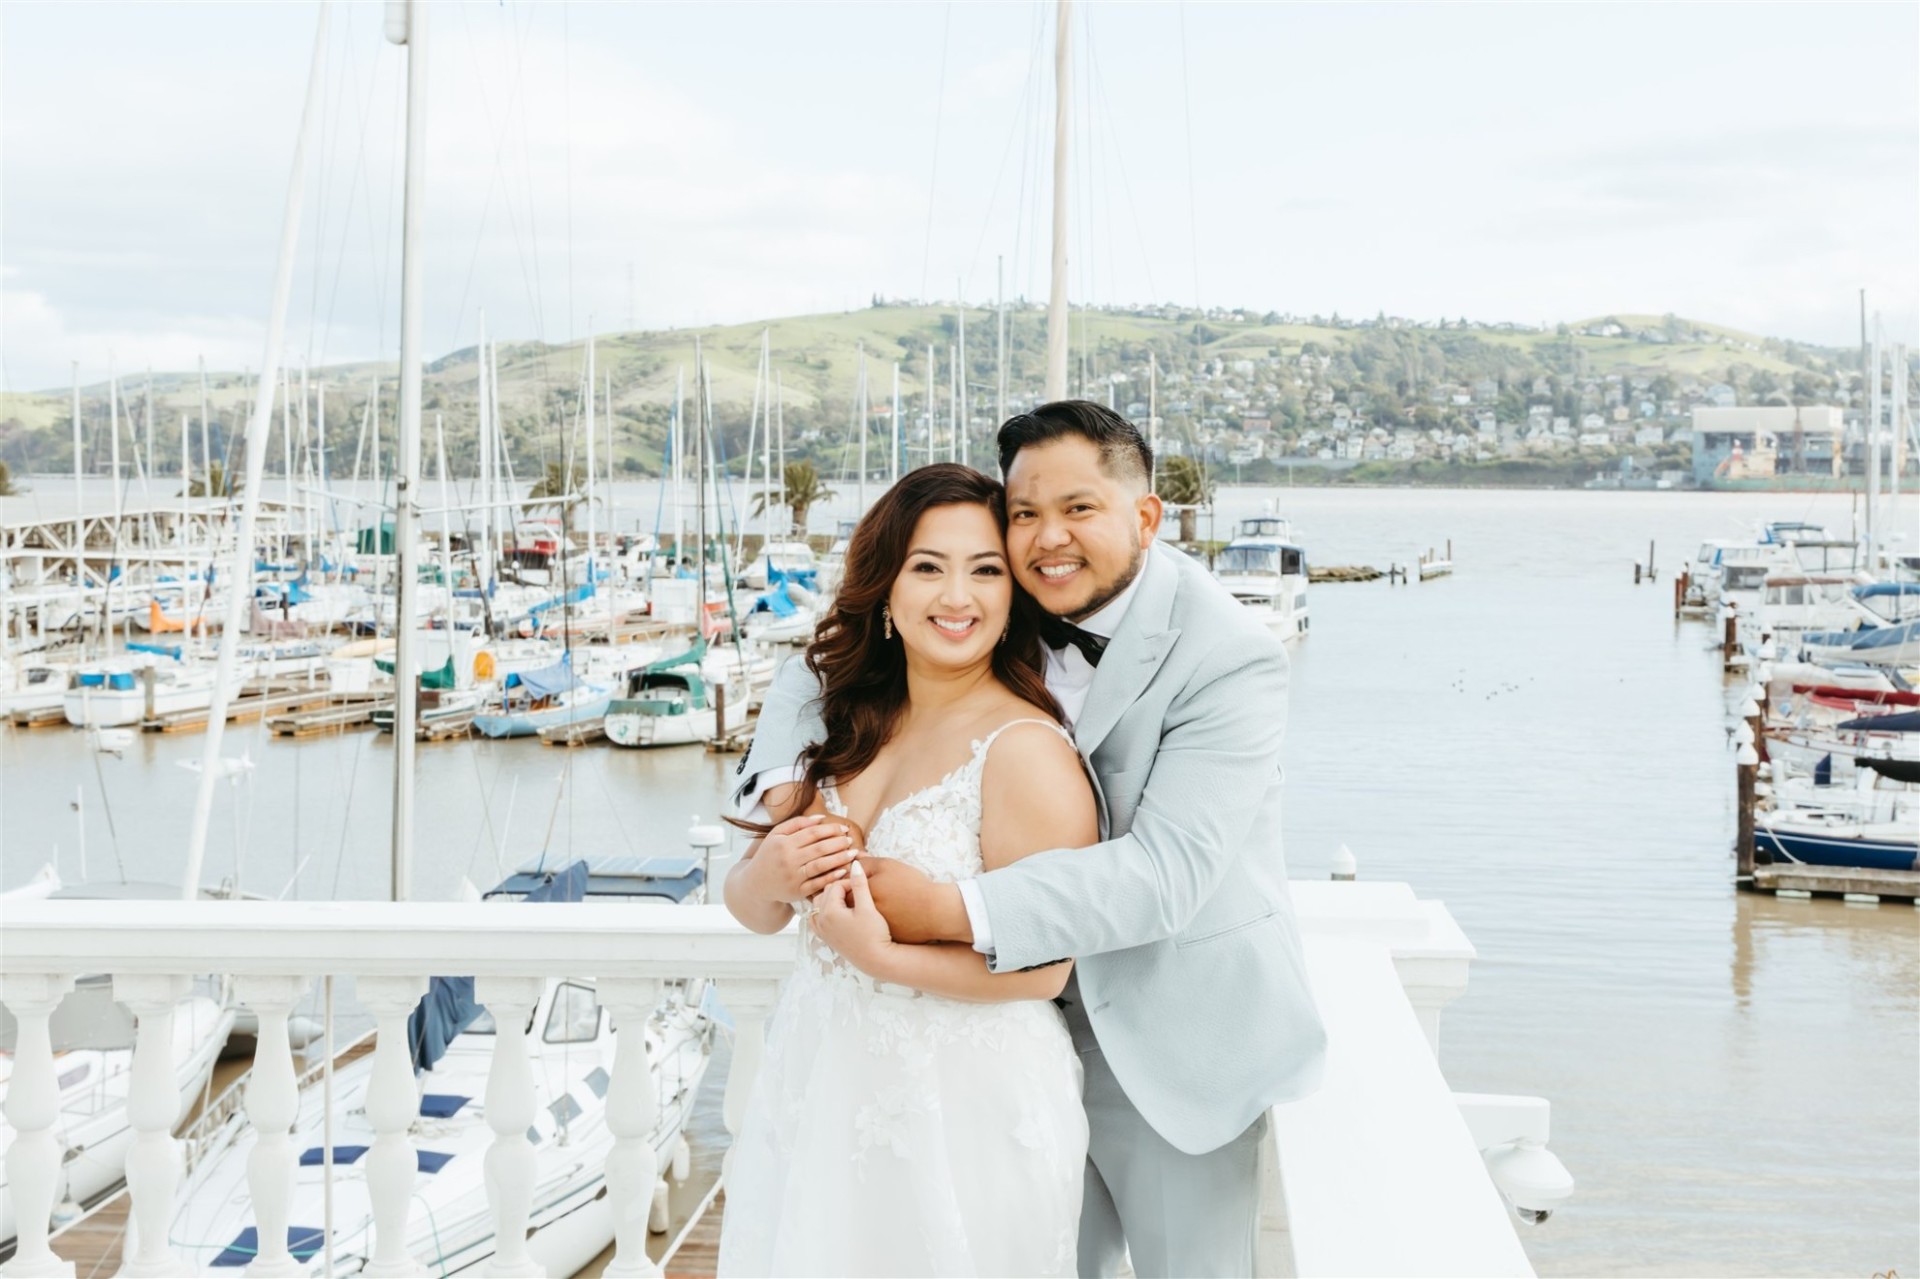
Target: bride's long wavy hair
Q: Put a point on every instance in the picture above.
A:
(862, 672)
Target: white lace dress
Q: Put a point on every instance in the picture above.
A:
(892, 1132)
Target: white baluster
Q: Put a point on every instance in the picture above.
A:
(273, 1103)
(33, 1103)
(510, 1114)
(153, 1108)
(393, 1103)
(749, 1002)
(632, 1112)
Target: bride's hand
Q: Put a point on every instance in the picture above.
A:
(844, 917)
(801, 856)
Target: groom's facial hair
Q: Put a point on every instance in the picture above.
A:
(1113, 591)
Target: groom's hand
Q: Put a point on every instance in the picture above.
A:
(916, 908)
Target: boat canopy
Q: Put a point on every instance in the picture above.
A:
(159, 650)
(442, 678)
(548, 681)
(612, 875)
(775, 601)
(449, 1006)
(1875, 590)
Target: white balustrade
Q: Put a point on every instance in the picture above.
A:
(750, 1002)
(33, 1104)
(510, 1113)
(632, 1111)
(1384, 963)
(273, 1103)
(153, 1108)
(393, 1103)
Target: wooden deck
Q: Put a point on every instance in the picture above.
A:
(1847, 882)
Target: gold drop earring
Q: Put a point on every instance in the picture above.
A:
(886, 620)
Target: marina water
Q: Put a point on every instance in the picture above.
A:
(1534, 741)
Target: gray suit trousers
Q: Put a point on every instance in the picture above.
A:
(1173, 1213)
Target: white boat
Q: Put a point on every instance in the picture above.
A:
(678, 702)
(34, 685)
(113, 693)
(571, 1050)
(1267, 571)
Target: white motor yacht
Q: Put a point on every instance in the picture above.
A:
(1267, 571)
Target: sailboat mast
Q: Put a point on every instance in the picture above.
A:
(860, 422)
(238, 596)
(933, 389)
(78, 451)
(1000, 340)
(412, 278)
(960, 417)
(483, 570)
(1874, 409)
(895, 419)
(591, 467)
(700, 488)
(675, 444)
(1056, 387)
(1153, 417)
(206, 428)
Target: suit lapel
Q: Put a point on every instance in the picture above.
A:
(1138, 648)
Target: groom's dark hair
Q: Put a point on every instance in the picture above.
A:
(1124, 452)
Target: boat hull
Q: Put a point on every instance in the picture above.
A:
(1835, 847)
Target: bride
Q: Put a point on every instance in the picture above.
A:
(924, 1119)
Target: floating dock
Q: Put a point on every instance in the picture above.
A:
(1854, 884)
(579, 733)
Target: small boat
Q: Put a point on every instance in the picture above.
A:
(533, 700)
(1267, 572)
(1823, 838)
(114, 693)
(677, 702)
(785, 613)
(1876, 646)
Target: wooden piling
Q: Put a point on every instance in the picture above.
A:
(148, 676)
(719, 709)
(1730, 640)
(1743, 842)
(1679, 593)
(1636, 575)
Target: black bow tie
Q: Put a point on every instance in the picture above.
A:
(1058, 633)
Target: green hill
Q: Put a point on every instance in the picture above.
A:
(815, 357)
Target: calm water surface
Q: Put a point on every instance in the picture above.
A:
(1735, 1080)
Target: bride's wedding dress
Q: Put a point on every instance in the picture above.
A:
(892, 1132)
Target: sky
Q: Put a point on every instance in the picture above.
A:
(605, 166)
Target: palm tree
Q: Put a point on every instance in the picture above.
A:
(216, 483)
(800, 489)
(559, 481)
(7, 486)
(1185, 484)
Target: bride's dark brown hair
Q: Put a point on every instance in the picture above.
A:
(862, 672)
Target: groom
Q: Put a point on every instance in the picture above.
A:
(1189, 1001)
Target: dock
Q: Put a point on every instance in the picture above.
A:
(41, 718)
(1854, 884)
(251, 704)
(346, 710)
(1344, 573)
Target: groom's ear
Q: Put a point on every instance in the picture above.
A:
(1151, 511)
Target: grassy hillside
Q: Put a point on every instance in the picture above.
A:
(816, 359)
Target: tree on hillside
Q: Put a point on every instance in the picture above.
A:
(7, 486)
(1184, 483)
(801, 486)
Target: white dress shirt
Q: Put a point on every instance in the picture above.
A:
(1069, 678)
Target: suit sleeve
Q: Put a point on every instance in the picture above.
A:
(789, 723)
(1219, 752)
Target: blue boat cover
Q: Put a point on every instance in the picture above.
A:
(806, 577)
(692, 657)
(122, 680)
(450, 1007)
(1886, 588)
(1886, 636)
(316, 1156)
(776, 601)
(159, 650)
(548, 680)
(302, 1241)
(582, 592)
(1904, 722)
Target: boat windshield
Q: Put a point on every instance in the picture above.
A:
(1248, 560)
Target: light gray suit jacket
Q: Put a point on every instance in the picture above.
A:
(1186, 947)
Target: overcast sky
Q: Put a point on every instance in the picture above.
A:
(1753, 165)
